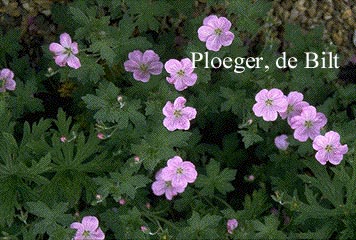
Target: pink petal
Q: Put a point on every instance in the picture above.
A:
(171, 80)
(181, 123)
(336, 159)
(173, 66)
(319, 142)
(6, 73)
(155, 68)
(224, 24)
(168, 122)
(78, 226)
(269, 114)
(179, 103)
(227, 38)
(174, 162)
(149, 56)
(136, 56)
(204, 32)
(73, 62)
(65, 40)
(10, 85)
(190, 80)
(333, 137)
(90, 223)
(213, 43)
(56, 48)
(210, 20)
(168, 109)
(179, 85)
(131, 66)
(159, 188)
(189, 112)
(74, 48)
(61, 60)
(141, 76)
(261, 96)
(98, 234)
(187, 66)
(321, 157)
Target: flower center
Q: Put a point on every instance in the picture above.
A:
(67, 51)
(269, 102)
(308, 124)
(86, 233)
(290, 108)
(168, 184)
(181, 73)
(329, 148)
(177, 113)
(218, 31)
(179, 170)
(143, 67)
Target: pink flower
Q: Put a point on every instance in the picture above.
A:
(216, 32)
(177, 115)
(63, 139)
(88, 229)
(6, 80)
(329, 148)
(144, 229)
(308, 124)
(64, 53)
(160, 187)
(101, 136)
(231, 225)
(179, 172)
(295, 106)
(281, 142)
(143, 65)
(122, 201)
(269, 103)
(182, 75)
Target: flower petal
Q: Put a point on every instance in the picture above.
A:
(73, 62)
(65, 40)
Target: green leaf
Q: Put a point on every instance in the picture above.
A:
(249, 137)
(215, 179)
(90, 70)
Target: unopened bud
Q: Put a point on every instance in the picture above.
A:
(63, 139)
(122, 201)
(101, 136)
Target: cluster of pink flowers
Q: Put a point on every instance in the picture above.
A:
(88, 229)
(303, 119)
(174, 178)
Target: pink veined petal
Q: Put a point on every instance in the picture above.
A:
(174, 162)
(98, 234)
(227, 38)
(168, 123)
(149, 56)
(73, 62)
(78, 226)
(168, 173)
(209, 20)
(313, 132)
(61, 60)
(56, 48)
(90, 223)
(131, 66)
(6, 73)
(65, 40)
(319, 142)
(170, 193)
(269, 114)
(187, 66)
(261, 96)
(259, 108)
(179, 103)
(10, 85)
(274, 93)
(178, 189)
(204, 32)
(181, 123)
(168, 109)
(136, 56)
(224, 24)
(158, 188)
(333, 137)
(301, 134)
(190, 80)
(294, 97)
(173, 66)
(213, 43)
(309, 113)
(179, 181)
(141, 76)
(280, 104)
(336, 159)
(189, 112)
(321, 120)
(321, 157)
(171, 80)
(74, 48)
(155, 68)
(179, 84)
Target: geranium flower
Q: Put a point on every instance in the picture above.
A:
(64, 53)
(308, 124)
(182, 75)
(269, 104)
(143, 65)
(231, 225)
(88, 229)
(329, 148)
(281, 142)
(177, 115)
(295, 106)
(179, 172)
(216, 32)
(161, 186)
(6, 80)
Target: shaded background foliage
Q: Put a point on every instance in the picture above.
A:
(46, 184)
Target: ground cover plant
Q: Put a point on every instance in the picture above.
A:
(147, 119)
